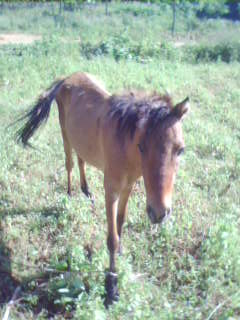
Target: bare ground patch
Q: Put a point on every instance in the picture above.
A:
(18, 38)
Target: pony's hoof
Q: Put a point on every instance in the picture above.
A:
(112, 294)
(87, 192)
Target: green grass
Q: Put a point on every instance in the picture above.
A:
(188, 268)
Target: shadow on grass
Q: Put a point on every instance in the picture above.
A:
(44, 211)
(8, 283)
(48, 290)
(41, 292)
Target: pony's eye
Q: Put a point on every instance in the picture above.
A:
(140, 148)
(180, 152)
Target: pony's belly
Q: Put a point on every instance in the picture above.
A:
(90, 155)
(87, 146)
(84, 132)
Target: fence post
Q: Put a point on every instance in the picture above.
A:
(174, 17)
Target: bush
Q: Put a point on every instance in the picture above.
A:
(226, 52)
(121, 47)
(213, 10)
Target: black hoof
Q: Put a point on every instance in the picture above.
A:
(112, 294)
(86, 192)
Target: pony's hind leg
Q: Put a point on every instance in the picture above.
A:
(68, 162)
(67, 146)
(83, 181)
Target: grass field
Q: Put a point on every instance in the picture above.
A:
(55, 247)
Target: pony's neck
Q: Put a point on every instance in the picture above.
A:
(134, 155)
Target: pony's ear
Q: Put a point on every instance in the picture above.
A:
(181, 108)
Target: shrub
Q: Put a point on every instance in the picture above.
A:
(225, 51)
(213, 10)
(121, 47)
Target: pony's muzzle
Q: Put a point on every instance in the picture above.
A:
(165, 212)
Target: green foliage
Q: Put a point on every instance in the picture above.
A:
(213, 9)
(227, 52)
(121, 47)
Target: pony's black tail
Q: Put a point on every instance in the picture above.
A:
(38, 114)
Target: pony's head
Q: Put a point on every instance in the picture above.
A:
(160, 147)
(159, 124)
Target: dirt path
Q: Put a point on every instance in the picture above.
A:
(17, 38)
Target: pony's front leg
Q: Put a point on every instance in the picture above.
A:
(122, 212)
(112, 198)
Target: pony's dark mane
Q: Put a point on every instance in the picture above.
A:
(133, 109)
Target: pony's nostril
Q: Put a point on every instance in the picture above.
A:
(151, 214)
(168, 211)
(164, 213)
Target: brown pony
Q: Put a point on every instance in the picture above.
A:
(125, 136)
